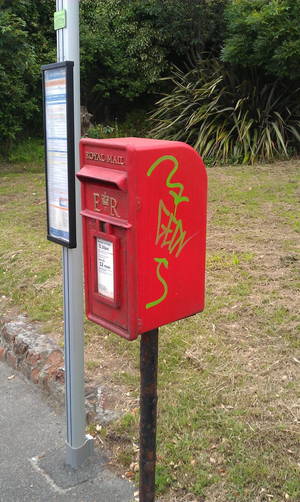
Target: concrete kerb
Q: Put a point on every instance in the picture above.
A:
(35, 356)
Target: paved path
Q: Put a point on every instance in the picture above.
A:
(29, 428)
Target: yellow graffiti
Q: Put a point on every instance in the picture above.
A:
(170, 231)
(170, 234)
(177, 196)
(160, 261)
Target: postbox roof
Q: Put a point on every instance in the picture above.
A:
(138, 143)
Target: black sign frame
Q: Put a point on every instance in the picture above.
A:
(70, 241)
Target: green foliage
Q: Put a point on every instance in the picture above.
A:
(25, 44)
(230, 113)
(128, 421)
(188, 26)
(134, 125)
(28, 152)
(99, 131)
(38, 24)
(264, 33)
(163, 478)
(15, 60)
(120, 57)
(127, 46)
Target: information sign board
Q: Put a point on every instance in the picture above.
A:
(60, 19)
(59, 152)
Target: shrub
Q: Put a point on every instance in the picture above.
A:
(134, 125)
(228, 112)
(264, 33)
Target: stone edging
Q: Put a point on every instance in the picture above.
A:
(41, 361)
(34, 355)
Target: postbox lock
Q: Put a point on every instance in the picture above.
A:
(140, 325)
(138, 203)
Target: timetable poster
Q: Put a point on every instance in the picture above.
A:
(58, 155)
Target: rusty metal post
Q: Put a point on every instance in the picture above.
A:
(148, 410)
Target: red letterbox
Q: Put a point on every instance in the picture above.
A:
(144, 232)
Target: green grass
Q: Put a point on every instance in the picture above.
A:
(30, 266)
(228, 386)
(228, 406)
(91, 364)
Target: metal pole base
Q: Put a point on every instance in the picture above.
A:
(148, 407)
(76, 456)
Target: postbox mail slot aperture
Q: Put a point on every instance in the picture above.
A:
(104, 192)
(99, 173)
(105, 219)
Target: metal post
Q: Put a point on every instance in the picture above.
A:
(148, 411)
(78, 445)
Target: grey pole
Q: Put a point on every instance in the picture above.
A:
(78, 445)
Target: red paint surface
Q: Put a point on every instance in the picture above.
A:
(157, 222)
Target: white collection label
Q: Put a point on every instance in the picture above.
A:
(105, 265)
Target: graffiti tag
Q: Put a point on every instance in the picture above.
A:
(170, 233)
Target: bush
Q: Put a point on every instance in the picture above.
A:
(134, 125)
(28, 154)
(226, 112)
(16, 106)
(126, 46)
(27, 40)
(264, 33)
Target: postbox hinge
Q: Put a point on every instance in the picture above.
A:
(138, 203)
(140, 325)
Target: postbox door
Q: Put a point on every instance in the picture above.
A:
(105, 273)
(105, 225)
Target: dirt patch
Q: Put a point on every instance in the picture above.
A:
(103, 363)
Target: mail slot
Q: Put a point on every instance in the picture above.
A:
(144, 232)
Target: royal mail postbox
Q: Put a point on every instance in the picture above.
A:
(144, 232)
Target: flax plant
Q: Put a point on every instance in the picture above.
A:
(230, 113)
